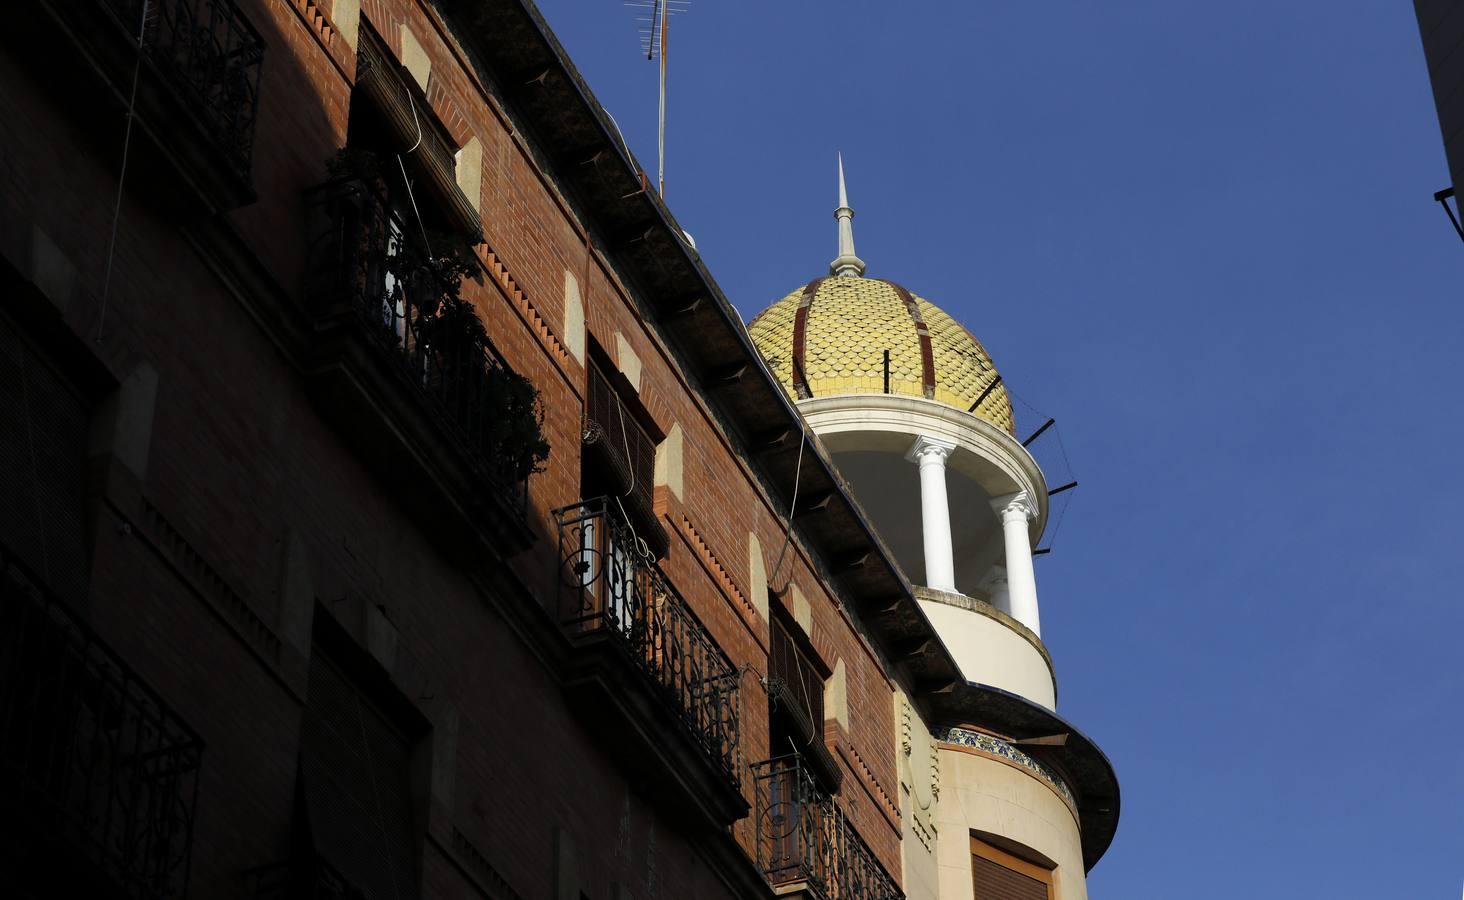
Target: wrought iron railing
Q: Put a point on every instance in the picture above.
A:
(94, 763)
(307, 878)
(208, 52)
(803, 837)
(612, 587)
(366, 262)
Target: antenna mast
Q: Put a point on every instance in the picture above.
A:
(655, 43)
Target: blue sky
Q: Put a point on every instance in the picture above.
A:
(1202, 236)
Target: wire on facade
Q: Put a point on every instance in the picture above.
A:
(792, 506)
(1062, 505)
(426, 244)
(122, 174)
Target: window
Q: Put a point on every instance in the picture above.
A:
(356, 775)
(796, 699)
(798, 688)
(619, 459)
(628, 448)
(43, 448)
(401, 120)
(1000, 875)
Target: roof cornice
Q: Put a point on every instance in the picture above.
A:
(579, 143)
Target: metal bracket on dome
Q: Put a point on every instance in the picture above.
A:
(1038, 433)
(1058, 490)
(1442, 198)
(984, 394)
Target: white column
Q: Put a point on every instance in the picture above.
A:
(995, 585)
(1015, 511)
(935, 513)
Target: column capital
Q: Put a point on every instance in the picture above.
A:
(927, 449)
(1020, 503)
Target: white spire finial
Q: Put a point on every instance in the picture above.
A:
(843, 192)
(847, 263)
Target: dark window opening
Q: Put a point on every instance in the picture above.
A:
(44, 422)
(357, 810)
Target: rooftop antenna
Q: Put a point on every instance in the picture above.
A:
(654, 32)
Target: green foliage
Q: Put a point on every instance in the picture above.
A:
(498, 409)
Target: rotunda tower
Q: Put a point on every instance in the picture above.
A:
(915, 414)
(912, 409)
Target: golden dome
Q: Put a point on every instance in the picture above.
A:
(829, 337)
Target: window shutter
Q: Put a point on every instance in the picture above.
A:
(623, 455)
(356, 769)
(995, 881)
(796, 684)
(43, 447)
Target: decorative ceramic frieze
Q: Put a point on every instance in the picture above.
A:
(1007, 751)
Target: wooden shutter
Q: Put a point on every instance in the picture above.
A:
(383, 82)
(625, 444)
(355, 764)
(998, 875)
(796, 683)
(43, 446)
(621, 455)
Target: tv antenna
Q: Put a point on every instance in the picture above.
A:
(654, 35)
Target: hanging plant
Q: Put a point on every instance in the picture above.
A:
(443, 340)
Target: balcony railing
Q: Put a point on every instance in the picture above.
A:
(611, 587)
(365, 263)
(309, 878)
(210, 54)
(804, 839)
(98, 772)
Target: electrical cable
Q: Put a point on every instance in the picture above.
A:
(122, 175)
(792, 505)
(426, 244)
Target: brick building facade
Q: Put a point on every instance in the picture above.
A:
(282, 615)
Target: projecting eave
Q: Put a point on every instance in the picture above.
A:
(575, 139)
(1084, 767)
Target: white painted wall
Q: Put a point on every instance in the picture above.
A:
(991, 652)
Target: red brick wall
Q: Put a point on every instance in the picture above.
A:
(240, 460)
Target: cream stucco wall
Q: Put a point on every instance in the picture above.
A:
(919, 793)
(984, 794)
(992, 652)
